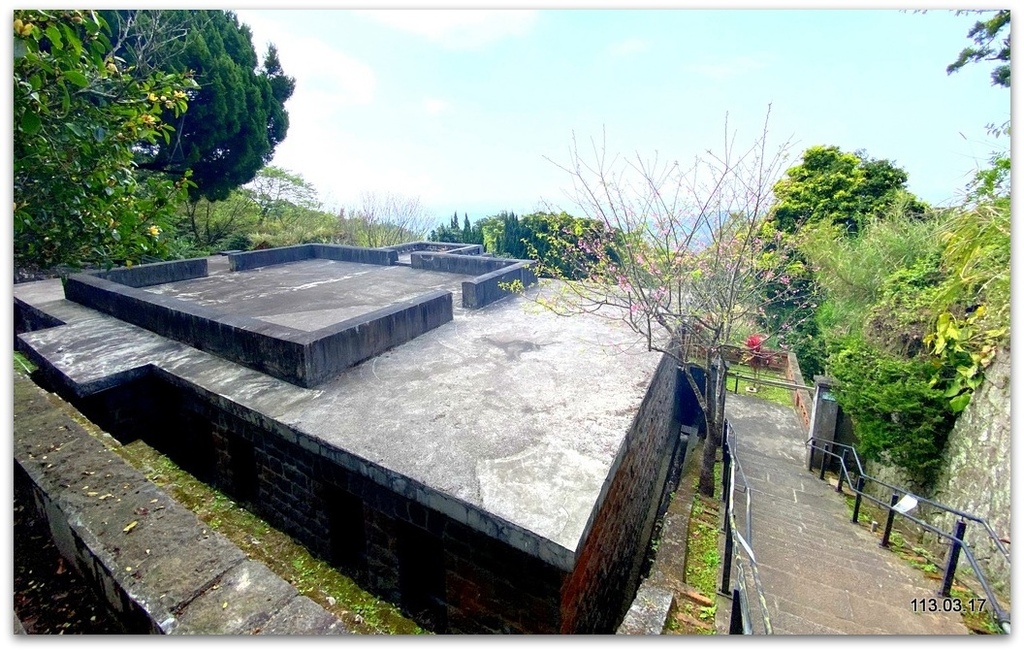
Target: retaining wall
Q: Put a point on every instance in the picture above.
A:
(160, 568)
(455, 576)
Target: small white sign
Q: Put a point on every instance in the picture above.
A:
(906, 504)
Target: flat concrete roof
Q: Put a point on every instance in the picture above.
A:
(311, 294)
(509, 418)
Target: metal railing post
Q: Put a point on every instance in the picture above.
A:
(954, 556)
(856, 501)
(824, 451)
(726, 463)
(842, 472)
(810, 458)
(884, 543)
(735, 616)
(727, 562)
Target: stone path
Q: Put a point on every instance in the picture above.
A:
(821, 573)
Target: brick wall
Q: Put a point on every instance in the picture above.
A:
(448, 576)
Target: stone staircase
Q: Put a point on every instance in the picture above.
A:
(821, 574)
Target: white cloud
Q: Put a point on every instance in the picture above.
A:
(727, 67)
(458, 28)
(327, 73)
(629, 47)
(434, 105)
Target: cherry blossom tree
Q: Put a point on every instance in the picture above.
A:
(684, 255)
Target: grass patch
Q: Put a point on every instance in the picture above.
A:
(22, 364)
(779, 395)
(360, 611)
(703, 566)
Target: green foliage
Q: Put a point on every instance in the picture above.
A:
(965, 349)
(988, 47)
(850, 271)
(559, 244)
(79, 117)
(836, 187)
(236, 117)
(503, 235)
(900, 417)
(901, 318)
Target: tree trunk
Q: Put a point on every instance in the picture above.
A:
(714, 419)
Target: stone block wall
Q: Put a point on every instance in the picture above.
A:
(976, 476)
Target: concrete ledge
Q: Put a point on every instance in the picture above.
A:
(427, 245)
(458, 263)
(335, 348)
(648, 613)
(487, 288)
(158, 565)
(139, 276)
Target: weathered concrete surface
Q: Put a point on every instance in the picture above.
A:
(157, 564)
(429, 419)
(821, 573)
(648, 612)
(311, 294)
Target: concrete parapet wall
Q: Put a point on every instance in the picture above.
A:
(282, 255)
(348, 254)
(487, 288)
(264, 257)
(139, 276)
(299, 357)
(338, 347)
(458, 263)
(275, 350)
(440, 247)
(161, 568)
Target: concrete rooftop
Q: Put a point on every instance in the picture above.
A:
(508, 418)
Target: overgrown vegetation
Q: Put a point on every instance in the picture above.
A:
(703, 567)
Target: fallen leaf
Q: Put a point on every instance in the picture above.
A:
(130, 526)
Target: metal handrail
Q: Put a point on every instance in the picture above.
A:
(956, 539)
(740, 621)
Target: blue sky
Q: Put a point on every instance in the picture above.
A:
(464, 108)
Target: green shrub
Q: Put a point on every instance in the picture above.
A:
(900, 418)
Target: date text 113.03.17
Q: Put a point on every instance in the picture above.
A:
(931, 605)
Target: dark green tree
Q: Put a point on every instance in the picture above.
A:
(237, 116)
(990, 44)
